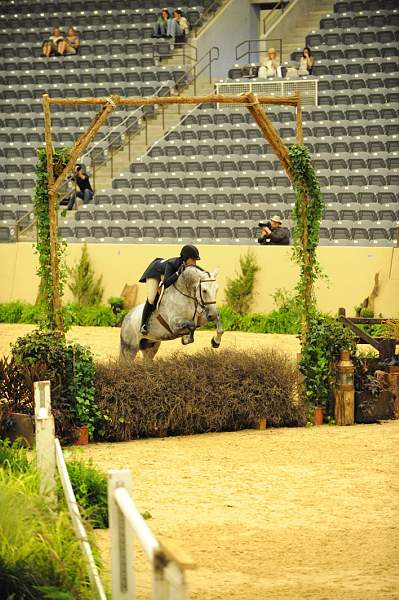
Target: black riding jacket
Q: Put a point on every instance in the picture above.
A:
(162, 266)
(279, 236)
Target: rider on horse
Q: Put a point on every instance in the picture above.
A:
(170, 269)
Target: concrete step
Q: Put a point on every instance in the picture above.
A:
(156, 129)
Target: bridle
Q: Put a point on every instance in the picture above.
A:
(197, 303)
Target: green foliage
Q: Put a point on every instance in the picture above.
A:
(74, 314)
(90, 487)
(325, 340)
(239, 291)
(48, 319)
(71, 371)
(86, 289)
(40, 556)
(307, 214)
(81, 371)
(366, 312)
(13, 457)
(103, 316)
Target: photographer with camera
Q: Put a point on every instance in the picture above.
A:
(273, 233)
(81, 180)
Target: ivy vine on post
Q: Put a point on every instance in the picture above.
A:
(51, 317)
(307, 213)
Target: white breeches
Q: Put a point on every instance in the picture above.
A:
(152, 287)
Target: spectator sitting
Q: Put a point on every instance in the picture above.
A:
(306, 62)
(162, 25)
(69, 45)
(86, 193)
(273, 233)
(270, 66)
(178, 27)
(50, 46)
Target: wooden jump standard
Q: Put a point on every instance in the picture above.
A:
(111, 103)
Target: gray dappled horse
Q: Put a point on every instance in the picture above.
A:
(187, 304)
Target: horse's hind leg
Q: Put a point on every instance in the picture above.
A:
(150, 352)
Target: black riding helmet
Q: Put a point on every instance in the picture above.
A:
(189, 251)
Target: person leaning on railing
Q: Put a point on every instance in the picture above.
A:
(273, 233)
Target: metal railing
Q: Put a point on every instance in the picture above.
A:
(257, 47)
(196, 70)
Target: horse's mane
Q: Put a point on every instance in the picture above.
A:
(188, 275)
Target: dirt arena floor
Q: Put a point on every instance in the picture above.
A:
(282, 514)
(104, 341)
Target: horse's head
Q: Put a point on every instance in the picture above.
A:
(205, 288)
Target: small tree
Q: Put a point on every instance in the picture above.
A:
(240, 291)
(86, 289)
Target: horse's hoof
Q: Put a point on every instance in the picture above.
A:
(214, 343)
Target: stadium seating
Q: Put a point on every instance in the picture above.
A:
(212, 177)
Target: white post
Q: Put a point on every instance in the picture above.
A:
(45, 433)
(121, 539)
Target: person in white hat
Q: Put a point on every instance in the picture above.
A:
(273, 233)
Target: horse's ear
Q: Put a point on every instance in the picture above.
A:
(215, 272)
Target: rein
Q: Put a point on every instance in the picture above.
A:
(202, 303)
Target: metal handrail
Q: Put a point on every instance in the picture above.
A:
(247, 51)
(147, 152)
(213, 54)
(177, 46)
(279, 5)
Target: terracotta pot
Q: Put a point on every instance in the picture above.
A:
(83, 438)
(261, 424)
(318, 416)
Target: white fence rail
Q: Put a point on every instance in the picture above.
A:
(125, 520)
(49, 456)
(168, 567)
(306, 86)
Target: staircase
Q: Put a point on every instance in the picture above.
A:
(156, 128)
(303, 25)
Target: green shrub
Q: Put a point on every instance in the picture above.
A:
(90, 487)
(327, 337)
(86, 289)
(40, 556)
(240, 290)
(13, 457)
(19, 312)
(70, 369)
(74, 314)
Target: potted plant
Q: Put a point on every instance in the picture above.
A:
(318, 414)
(116, 303)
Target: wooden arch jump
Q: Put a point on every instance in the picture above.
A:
(111, 103)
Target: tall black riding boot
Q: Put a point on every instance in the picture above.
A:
(147, 311)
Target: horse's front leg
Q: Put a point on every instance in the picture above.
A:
(217, 338)
(181, 328)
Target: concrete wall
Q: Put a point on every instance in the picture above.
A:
(238, 21)
(350, 271)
